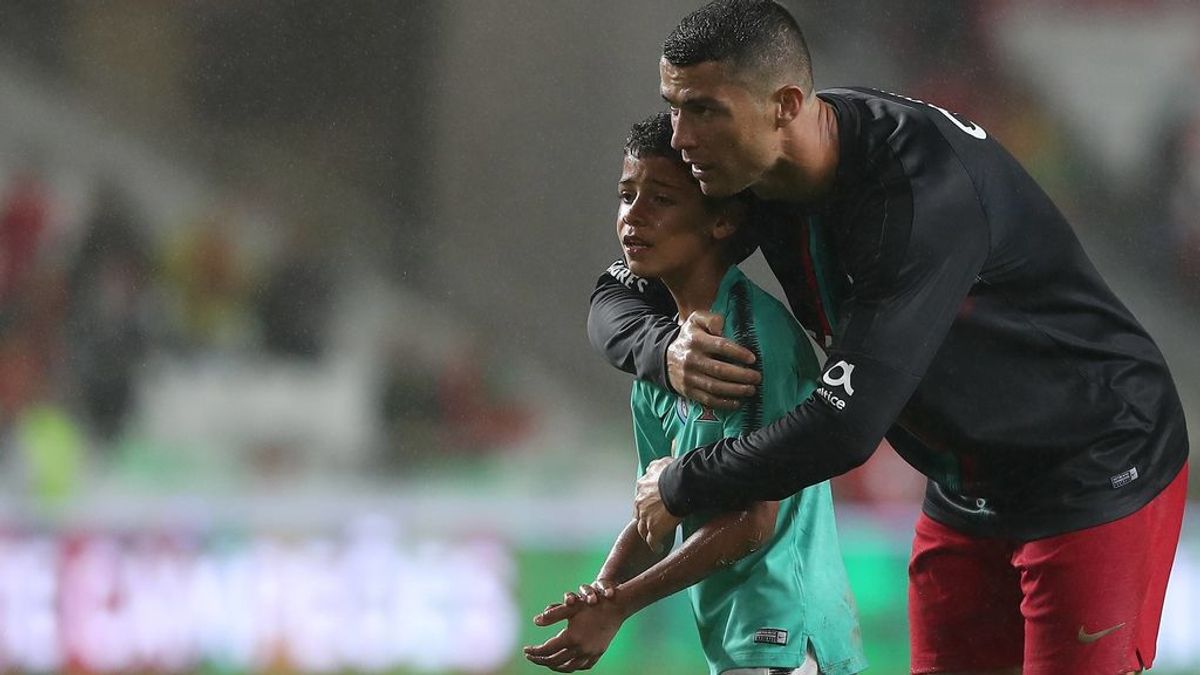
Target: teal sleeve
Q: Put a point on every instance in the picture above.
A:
(732, 424)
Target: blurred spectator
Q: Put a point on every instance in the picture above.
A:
(31, 303)
(108, 331)
(22, 222)
(449, 404)
(22, 374)
(1183, 205)
(474, 412)
(1172, 186)
(209, 285)
(410, 412)
(293, 306)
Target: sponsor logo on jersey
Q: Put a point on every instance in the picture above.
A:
(837, 377)
(621, 273)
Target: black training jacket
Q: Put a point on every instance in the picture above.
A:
(963, 321)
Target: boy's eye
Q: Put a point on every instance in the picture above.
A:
(663, 200)
(626, 197)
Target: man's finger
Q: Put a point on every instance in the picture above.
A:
(722, 348)
(607, 588)
(730, 373)
(710, 401)
(652, 540)
(703, 384)
(712, 323)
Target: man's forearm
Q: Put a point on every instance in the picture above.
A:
(629, 323)
(818, 440)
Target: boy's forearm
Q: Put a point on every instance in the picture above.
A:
(719, 543)
(629, 557)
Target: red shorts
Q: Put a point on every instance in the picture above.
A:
(1081, 602)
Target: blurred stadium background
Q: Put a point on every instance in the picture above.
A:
(293, 370)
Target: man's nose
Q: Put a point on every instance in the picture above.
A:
(681, 136)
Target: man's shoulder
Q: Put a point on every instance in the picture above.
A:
(899, 120)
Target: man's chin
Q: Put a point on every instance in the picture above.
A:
(714, 189)
(719, 189)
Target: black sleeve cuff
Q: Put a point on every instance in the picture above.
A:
(670, 488)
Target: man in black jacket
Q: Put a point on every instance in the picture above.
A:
(963, 321)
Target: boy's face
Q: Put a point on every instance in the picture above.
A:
(663, 224)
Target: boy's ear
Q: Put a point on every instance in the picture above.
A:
(724, 228)
(732, 218)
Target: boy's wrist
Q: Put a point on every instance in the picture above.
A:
(626, 601)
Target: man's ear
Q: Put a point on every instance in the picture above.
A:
(789, 100)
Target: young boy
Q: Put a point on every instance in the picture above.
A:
(767, 584)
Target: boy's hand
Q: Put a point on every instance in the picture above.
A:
(589, 594)
(556, 612)
(705, 367)
(600, 589)
(590, 629)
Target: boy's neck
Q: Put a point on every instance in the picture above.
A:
(697, 289)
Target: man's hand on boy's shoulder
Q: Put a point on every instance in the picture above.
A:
(705, 367)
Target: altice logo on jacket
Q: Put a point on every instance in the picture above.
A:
(837, 377)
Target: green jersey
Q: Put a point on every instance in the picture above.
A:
(766, 609)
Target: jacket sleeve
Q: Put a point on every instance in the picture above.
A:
(630, 323)
(912, 272)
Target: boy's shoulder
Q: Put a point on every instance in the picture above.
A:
(649, 397)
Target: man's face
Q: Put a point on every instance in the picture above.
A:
(662, 222)
(726, 131)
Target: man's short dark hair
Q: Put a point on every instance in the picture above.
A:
(651, 137)
(760, 39)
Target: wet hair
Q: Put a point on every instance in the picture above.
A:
(760, 39)
(651, 137)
